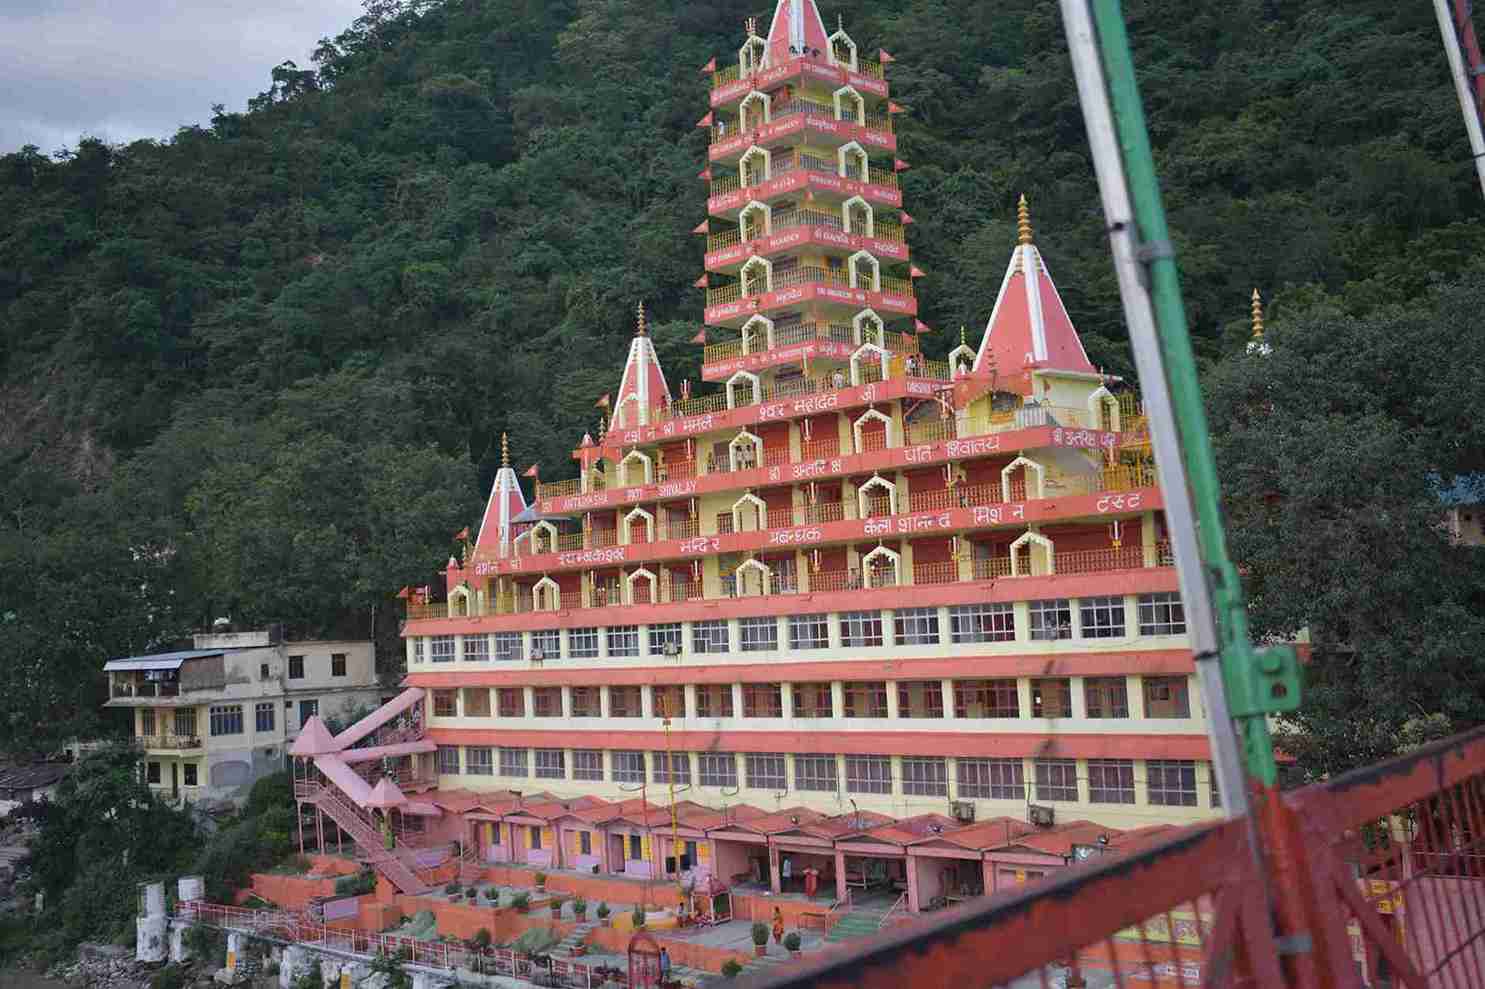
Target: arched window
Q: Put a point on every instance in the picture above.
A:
(647, 530)
(752, 578)
(881, 568)
(641, 587)
(757, 276)
(865, 271)
(868, 327)
(546, 595)
(755, 167)
(749, 508)
(849, 106)
(636, 460)
(757, 335)
(1103, 410)
(1021, 479)
(743, 388)
(842, 51)
(858, 217)
(868, 364)
(853, 162)
(752, 56)
(1032, 555)
(876, 498)
(755, 220)
(755, 110)
(745, 451)
(866, 430)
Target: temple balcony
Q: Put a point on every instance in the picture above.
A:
(791, 231)
(799, 120)
(832, 181)
(763, 346)
(831, 289)
(730, 84)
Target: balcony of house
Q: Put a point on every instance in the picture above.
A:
(730, 84)
(169, 743)
(800, 119)
(832, 288)
(763, 345)
(763, 176)
(767, 234)
(142, 688)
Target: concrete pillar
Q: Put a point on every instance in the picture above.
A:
(601, 836)
(912, 883)
(841, 889)
(988, 868)
(234, 950)
(774, 882)
(179, 951)
(151, 938)
(294, 962)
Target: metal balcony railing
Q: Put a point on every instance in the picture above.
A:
(865, 67)
(807, 275)
(877, 120)
(792, 333)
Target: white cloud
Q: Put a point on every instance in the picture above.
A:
(126, 69)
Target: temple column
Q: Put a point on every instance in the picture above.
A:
(841, 889)
(912, 883)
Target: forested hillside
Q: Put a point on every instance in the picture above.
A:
(260, 368)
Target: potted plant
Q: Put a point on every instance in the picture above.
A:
(521, 901)
(731, 969)
(760, 938)
(493, 895)
(638, 917)
(602, 912)
(556, 908)
(481, 939)
(791, 941)
(580, 908)
(452, 889)
(541, 880)
(470, 894)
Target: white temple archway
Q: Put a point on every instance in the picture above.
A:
(748, 568)
(748, 221)
(750, 115)
(857, 208)
(551, 533)
(863, 497)
(754, 446)
(849, 105)
(864, 262)
(841, 50)
(1032, 468)
(749, 377)
(961, 360)
(546, 595)
(757, 503)
(647, 469)
(861, 353)
(1032, 541)
(528, 535)
(626, 535)
(854, 162)
(755, 166)
(461, 602)
(750, 344)
(1103, 410)
(752, 56)
(631, 593)
(867, 327)
(879, 561)
(858, 428)
(756, 276)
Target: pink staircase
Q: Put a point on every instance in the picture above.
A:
(355, 822)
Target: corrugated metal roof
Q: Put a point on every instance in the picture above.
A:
(160, 661)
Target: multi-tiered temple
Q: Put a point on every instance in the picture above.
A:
(857, 597)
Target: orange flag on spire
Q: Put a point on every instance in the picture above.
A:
(885, 58)
(404, 594)
(898, 165)
(895, 108)
(907, 220)
(916, 272)
(704, 227)
(705, 121)
(532, 471)
(921, 327)
(700, 282)
(705, 175)
(710, 66)
(700, 337)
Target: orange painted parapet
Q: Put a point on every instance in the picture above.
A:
(681, 951)
(291, 892)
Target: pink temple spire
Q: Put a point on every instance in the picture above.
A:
(796, 30)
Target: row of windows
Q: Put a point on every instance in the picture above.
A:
(188, 774)
(1097, 618)
(227, 719)
(1050, 697)
(337, 666)
(1168, 782)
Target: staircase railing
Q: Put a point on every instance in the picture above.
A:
(352, 821)
(900, 905)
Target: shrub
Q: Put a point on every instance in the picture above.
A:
(580, 905)
(791, 940)
(492, 894)
(603, 911)
(638, 916)
(169, 977)
(760, 933)
(452, 889)
(521, 900)
(357, 885)
(482, 938)
(731, 969)
(471, 893)
(541, 879)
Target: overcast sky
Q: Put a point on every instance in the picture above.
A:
(126, 69)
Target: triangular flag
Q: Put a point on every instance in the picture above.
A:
(532, 471)
(898, 165)
(698, 338)
(710, 66)
(603, 402)
(916, 272)
(404, 594)
(705, 121)
(705, 175)
(907, 220)
(461, 534)
(921, 327)
(884, 57)
(700, 282)
(895, 108)
(704, 227)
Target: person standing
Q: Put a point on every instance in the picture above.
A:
(778, 925)
(664, 967)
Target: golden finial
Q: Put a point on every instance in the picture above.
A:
(1023, 220)
(962, 341)
(639, 329)
(1257, 315)
(504, 450)
(752, 25)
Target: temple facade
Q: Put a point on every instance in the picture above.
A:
(846, 600)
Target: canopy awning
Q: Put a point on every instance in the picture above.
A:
(159, 661)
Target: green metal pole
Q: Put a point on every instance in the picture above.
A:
(1259, 683)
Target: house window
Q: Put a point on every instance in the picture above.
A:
(709, 637)
(337, 662)
(226, 720)
(1106, 697)
(766, 771)
(861, 629)
(867, 774)
(986, 699)
(759, 634)
(264, 716)
(1056, 779)
(813, 700)
(448, 760)
(585, 843)
(307, 710)
(507, 646)
(866, 699)
(188, 774)
(664, 765)
(440, 650)
(763, 700)
(920, 699)
(717, 768)
(629, 767)
(636, 847)
(152, 772)
(479, 760)
(476, 702)
(925, 777)
(476, 650)
(546, 702)
(262, 671)
(185, 722)
(510, 702)
(535, 837)
(1051, 619)
(1051, 698)
(1102, 617)
(582, 643)
(714, 700)
(993, 779)
(551, 764)
(587, 764)
(1171, 782)
(668, 701)
(1212, 784)
(660, 636)
(624, 702)
(818, 773)
(586, 702)
(296, 667)
(147, 721)
(623, 640)
(809, 631)
(982, 623)
(445, 703)
(1162, 614)
(1167, 697)
(515, 762)
(916, 626)
(1111, 781)
(545, 644)
(420, 649)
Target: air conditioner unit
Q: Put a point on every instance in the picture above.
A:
(537, 655)
(672, 649)
(1042, 817)
(963, 811)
